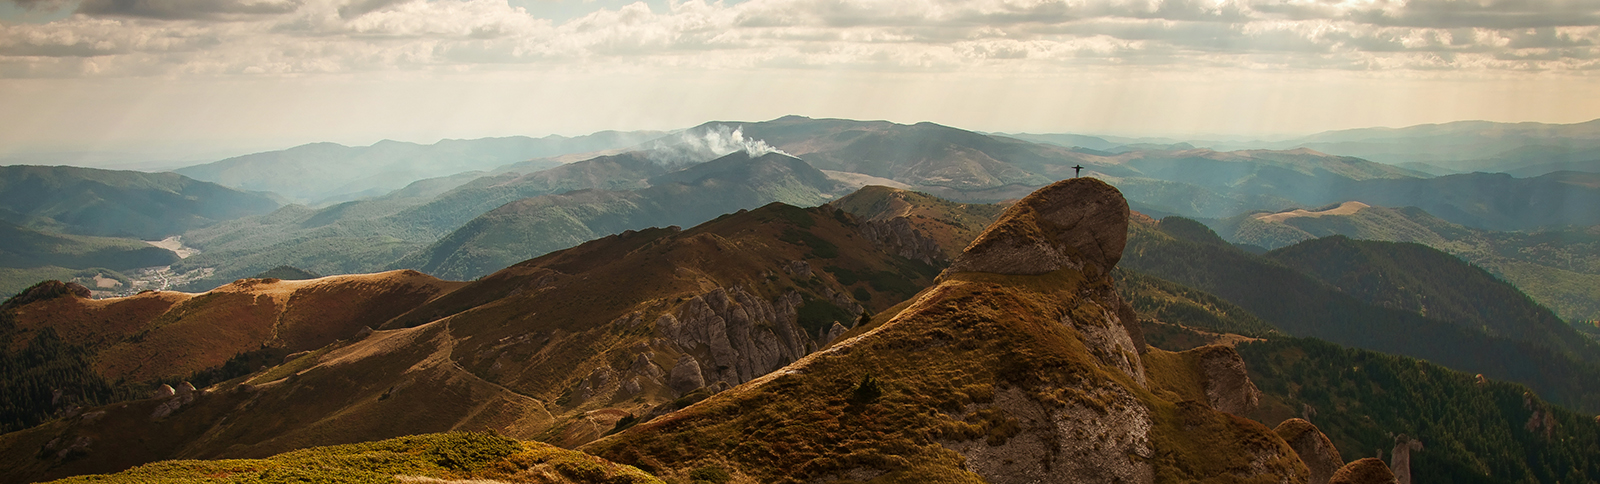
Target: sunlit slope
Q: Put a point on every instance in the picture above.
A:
(986, 377)
(558, 348)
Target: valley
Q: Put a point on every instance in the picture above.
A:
(803, 300)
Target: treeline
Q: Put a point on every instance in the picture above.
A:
(1471, 431)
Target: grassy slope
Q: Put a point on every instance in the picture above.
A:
(572, 295)
(952, 225)
(444, 457)
(164, 334)
(940, 364)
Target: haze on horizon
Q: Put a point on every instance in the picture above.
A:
(191, 79)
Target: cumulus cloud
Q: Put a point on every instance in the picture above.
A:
(249, 37)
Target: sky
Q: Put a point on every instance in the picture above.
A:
(166, 81)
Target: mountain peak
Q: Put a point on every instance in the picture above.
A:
(1073, 223)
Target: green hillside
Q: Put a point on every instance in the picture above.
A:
(1559, 269)
(1418, 279)
(536, 226)
(28, 256)
(87, 201)
(1472, 431)
(1185, 252)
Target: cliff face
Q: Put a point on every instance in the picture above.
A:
(1018, 366)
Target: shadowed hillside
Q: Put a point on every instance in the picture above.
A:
(1188, 253)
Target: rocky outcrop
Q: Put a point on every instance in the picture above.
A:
(742, 335)
(1104, 438)
(1107, 338)
(1079, 223)
(1370, 470)
(686, 375)
(1313, 447)
(163, 391)
(832, 333)
(899, 237)
(181, 396)
(1400, 457)
(1228, 386)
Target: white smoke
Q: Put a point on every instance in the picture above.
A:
(693, 147)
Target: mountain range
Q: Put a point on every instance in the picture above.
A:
(322, 173)
(674, 312)
(1019, 361)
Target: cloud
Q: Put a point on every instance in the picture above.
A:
(186, 9)
(291, 37)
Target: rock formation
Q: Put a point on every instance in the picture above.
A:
(1400, 458)
(1078, 223)
(1370, 470)
(1313, 447)
(899, 237)
(685, 375)
(744, 336)
(1228, 386)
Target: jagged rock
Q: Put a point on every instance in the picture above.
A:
(1400, 457)
(899, 237)
(1107, 338)
(163, 391)
(1076, 223)
(832, 333)
(185, 388)
(1370, 470)
(1313, 447)
(363, 333)
(685, 375)
(1228, 385)
(744, 336)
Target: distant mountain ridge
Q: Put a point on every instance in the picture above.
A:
(107, 203)
(535, 226)
(323, 172)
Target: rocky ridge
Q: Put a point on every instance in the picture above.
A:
(1018, 366)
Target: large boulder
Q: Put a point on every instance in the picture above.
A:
(1370, 470)
(1228, 386)
(1313, 447)
(1079, 223)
